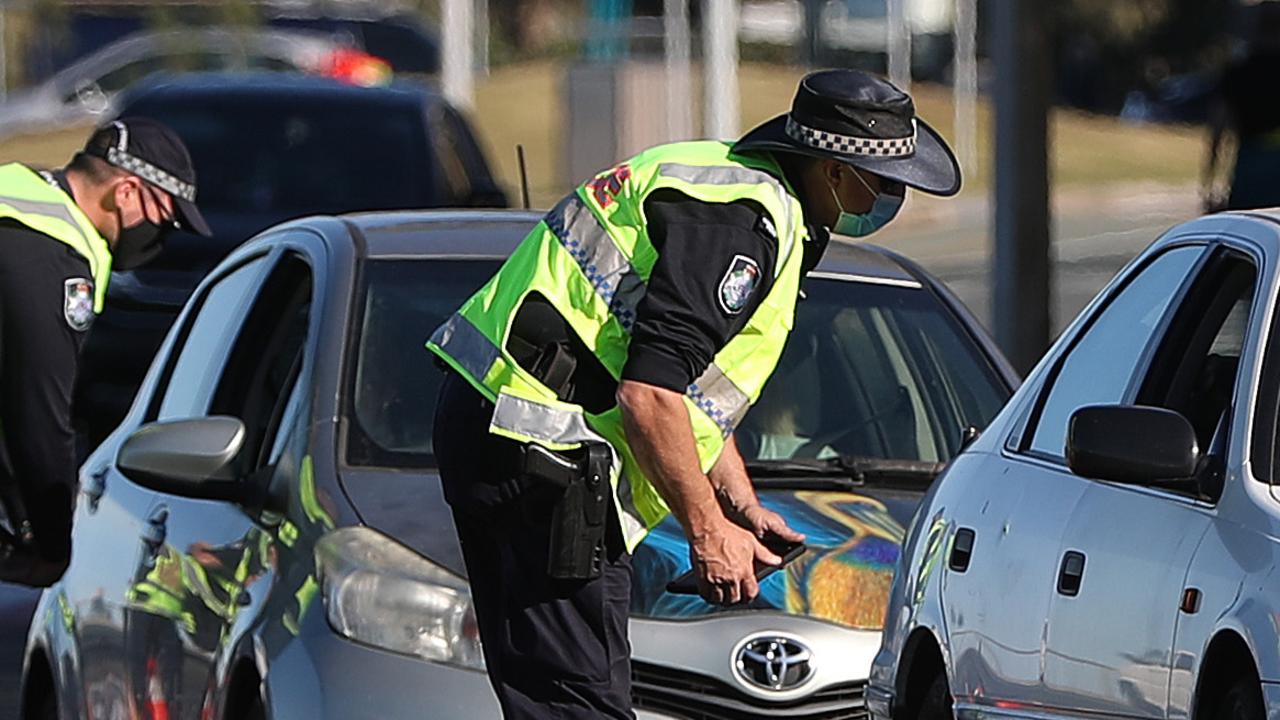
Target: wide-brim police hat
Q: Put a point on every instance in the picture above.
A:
(864, 121)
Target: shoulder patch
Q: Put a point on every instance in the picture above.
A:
(77, 303)
(740, 279)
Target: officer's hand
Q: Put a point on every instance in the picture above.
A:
(724, 559)
(762, 522)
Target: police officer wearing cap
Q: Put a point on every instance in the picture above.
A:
(61, 234)
(596, 380)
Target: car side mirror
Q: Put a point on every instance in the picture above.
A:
(189, 458)
(1131, 444)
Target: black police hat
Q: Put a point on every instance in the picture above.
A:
(153, 152)
(864, 121)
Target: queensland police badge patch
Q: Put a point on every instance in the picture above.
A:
(739, 280)
(77, 303)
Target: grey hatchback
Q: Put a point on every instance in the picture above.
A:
(264, 535)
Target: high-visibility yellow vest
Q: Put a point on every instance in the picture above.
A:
(591, 259)
(29, 199)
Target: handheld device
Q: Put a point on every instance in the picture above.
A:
(687, 584)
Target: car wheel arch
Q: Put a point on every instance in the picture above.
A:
(1226, 657)
(244, 688)
(921, 661)
(38, 684)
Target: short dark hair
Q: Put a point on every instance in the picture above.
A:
(95, 168)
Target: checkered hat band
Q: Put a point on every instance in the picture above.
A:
(850, 145)
(151, 174)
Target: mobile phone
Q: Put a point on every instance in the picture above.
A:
(687, 584)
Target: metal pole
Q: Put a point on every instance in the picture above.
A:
(720, 50)
(811, 43)
(456, 29)
(675, 17)
(4, 56)
(965, 62)
(898, 44)
(1022, 291)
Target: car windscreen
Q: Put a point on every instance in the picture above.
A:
(392, 396)
(298, 156)
(872, 370)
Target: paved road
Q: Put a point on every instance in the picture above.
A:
(1095, 234)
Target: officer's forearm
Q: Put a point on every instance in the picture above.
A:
(660, 435)
(731, 482)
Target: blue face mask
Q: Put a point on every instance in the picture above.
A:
(884, 209)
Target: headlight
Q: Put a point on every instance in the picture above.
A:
(380, 593)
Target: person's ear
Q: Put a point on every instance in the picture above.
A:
(831, 173)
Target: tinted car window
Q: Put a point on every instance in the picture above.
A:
(871, 370)
(1098, 370)
(297, 155)
(205, 348)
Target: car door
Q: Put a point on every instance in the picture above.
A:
(1111, 626)
(1011, 514)
(225, 549)
(154, 591)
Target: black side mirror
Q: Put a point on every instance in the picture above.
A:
(1131, 444)
(190, 458)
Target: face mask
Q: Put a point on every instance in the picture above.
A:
(137, 246)
(884, 209)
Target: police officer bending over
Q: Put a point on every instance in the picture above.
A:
(61, 235)
(597, 378)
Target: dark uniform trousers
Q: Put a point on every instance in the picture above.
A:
(553, 648)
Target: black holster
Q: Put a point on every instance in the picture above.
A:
(580, 515)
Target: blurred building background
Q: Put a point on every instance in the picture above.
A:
(581, 83)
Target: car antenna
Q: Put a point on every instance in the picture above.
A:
(524, 176)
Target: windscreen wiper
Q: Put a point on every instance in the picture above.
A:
(842, 472)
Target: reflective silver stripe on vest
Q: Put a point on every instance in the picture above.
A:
(605, 265)
(546, 423)
(564, 427)
(717, 174)
(733, 175)
(466, 345)
(716, 395)
(56, 210)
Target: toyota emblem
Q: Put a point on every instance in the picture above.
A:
(774, 663)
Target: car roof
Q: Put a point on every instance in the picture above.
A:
(464, 234)
(272, 85)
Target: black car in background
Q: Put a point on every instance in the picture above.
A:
(268, 148)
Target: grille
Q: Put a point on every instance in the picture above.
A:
(692, 696)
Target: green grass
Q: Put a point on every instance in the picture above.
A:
(524, 104)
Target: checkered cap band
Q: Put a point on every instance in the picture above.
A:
(151, 174)
(850, 145)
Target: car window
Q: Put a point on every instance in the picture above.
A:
(1194, 372)
(294, 155)
(204, 347)
(873, 370)
(266, 360)
(1101, 365)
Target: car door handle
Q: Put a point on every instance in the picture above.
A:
(961, 550)
(1072, 573)
(96, 486)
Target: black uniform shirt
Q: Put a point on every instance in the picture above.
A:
(715, 264)
(39, 350)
